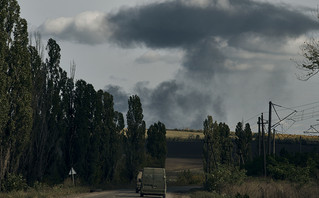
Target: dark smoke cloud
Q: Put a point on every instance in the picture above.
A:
(120, 97)
(174, 104)
(175, 24)
(199, 87)
(204, 57)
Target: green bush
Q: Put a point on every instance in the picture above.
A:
(283, 170)
(289, 171)
(13, 182)
(224, 175)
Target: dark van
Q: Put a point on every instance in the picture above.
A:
(153, 182)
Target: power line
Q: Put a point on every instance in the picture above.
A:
(298, 114)
(255, 116)
(306, 115)
(305, 105)
(288, 108)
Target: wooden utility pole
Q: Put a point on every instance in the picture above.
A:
(259, 137)
(269, 129)
(264, 146)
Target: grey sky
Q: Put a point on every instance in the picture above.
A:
(185, 59)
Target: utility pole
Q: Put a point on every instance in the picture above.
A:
(300, 144)
(207, 158)
(259, 138)
(264, 146)
(274, 143)
(269, 129)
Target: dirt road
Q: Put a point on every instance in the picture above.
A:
(173, 192)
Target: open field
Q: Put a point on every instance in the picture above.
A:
(176, 134)
(179, 164)
(307, 138)
(198, 134)
(184, 171)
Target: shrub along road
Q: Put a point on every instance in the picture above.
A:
(173, 192)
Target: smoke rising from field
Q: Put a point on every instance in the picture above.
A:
(120, 97)
(219, 40)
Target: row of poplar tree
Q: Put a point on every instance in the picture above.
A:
(220, 149)
(49, 122)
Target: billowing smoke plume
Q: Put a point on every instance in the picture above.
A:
(177, 24)
(120, 97)
(211, 38)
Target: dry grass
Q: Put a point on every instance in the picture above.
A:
(184, 134)
(49, 193)
(257, 187)
(180, 164)
(264, 188)
(293, 137)
(192, 134)
(308, 138)
(175, 167)
(43, 191)
(188, 134)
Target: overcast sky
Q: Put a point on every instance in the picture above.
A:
(187, 59)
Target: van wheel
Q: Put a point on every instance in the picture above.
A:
(141, 195)
(164, 196)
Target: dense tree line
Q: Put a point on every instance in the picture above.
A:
(218, 146)
(228, 160)
(222, 155)
(49, 122)
(73, 125)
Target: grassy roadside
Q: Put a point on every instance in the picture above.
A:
(263, 188)
(46, 192)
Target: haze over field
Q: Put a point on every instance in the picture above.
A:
(185, 59)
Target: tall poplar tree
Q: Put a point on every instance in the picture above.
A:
(156, 143)
(32, 154)
(68, 125)
(211, 147)
(243, 142)
(226, 144)
(16, 123)
(135, 136)
(53, 134)
(114, 135)
(84, 116)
